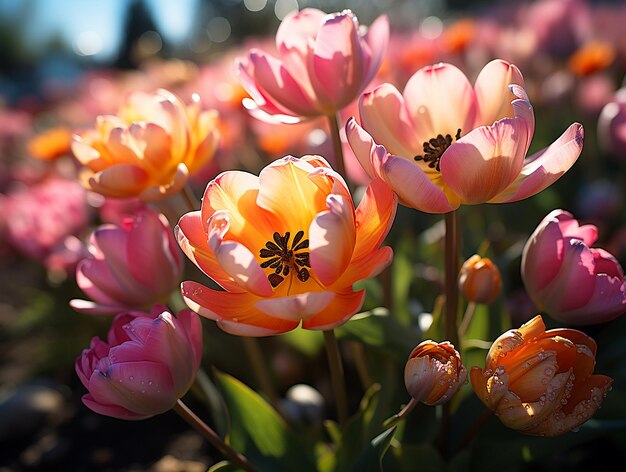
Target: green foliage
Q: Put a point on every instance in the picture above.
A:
(260, 433)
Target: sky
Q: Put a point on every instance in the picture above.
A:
(91, 25)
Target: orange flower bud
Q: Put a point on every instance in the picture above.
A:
(541, 382)
(434, 372)
(479, 280)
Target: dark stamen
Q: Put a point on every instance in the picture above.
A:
(282, 258)
(434, 149)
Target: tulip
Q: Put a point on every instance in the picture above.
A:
(444, 143)
(286, 246)
(50, 144)
(571, 281)
(324, 62)
(434, 372)
(148, 149)
(612, 125)
(131, 265)
(541, 382)
(480, 280)
(148, 362)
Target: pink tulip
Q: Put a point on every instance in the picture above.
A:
(444, 143)
(612, 125)
(148, 362)
(132, 265)
(573, 282)
(324, 62)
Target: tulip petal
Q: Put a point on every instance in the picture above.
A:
(573, 278)
(193, 240)
(484, 162)
(367, 266)
(607, 303)
(384, 115)
(377, 41)
(342, 307)
(296, 307)
(143, 387)
(493, 95)
(119, 181)
(149, 253)
(440, 100)
(235, 313)
(361, 143)
(545, 167)
(374, 217)
(91, 308)
(275, 82)
(338, 69)
(287, 191)
(332, 236)
(542, 256)
(298, 29)
(113, 411)
(413, 186)
(173, 184)
(235, 258)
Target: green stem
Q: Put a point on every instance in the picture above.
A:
(467, 318)
(451, 290)
(263, 377)
(212, 437)
(190, 198)
(336, 376)
(361, 364)
(451, 275)
(395, 419)
(333, 124)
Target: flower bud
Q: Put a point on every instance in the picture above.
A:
(541, 382)
(434, 372)
(148, 362)
(480, 280)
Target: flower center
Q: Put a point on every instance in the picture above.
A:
(283, 257)
(434, 149)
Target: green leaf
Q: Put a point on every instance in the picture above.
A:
(354, 446)
(412, 457)
(260, 433)
(224, 466)
(371, 458)
(378, 329)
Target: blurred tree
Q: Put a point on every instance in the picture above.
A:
(138, 22)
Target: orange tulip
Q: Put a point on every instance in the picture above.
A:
(541, 382)
(480, 280)
(286, 245)
(434, 372)
(148, 149)
(50, 144)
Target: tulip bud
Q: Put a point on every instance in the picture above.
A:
(480, 280)
(131, 266)
(541, 382)
(434, 372)
(148, 362)
(566, 277)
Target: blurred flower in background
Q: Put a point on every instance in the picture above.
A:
(148, 149)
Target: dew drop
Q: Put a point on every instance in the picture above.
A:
(131, 378)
